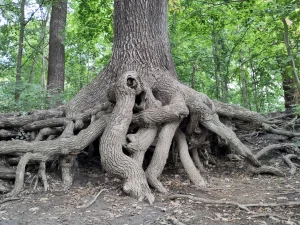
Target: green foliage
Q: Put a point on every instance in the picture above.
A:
(221, 37)
(32, 97)
(223, 40)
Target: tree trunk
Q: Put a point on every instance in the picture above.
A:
(289, 52)
(18, 88)
(140, 44)
(217, 62)
(193, 75)
(56, 65)
(244, 84)
(43, 36)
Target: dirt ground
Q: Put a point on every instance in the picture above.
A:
(228, 181)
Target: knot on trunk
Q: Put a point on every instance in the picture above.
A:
(128, 84)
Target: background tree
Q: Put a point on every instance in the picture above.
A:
(20, 51)
(56, 65)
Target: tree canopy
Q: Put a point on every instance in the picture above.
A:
(232, 50)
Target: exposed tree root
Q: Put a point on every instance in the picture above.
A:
(266, 170)
(42, 174)
(20, 174)
(216, 126)
(112, 157)
(187, 162)
(45, 150)
(288, 161)
(270, 129)
(8, 133)
(269, 148)
(7, 122)
(197, 160)
(9, 200)
(144, 108)
(67, 169)
(140, 142)
(160, 156)
(238, 112)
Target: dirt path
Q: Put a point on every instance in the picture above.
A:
(229, 181)
(113, 207)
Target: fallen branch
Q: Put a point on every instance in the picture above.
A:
(292, 203)
(239, 205)
(210, 201)
(88, 204)
(273, 217)
(174, 220)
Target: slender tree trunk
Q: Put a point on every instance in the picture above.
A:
(56, 65)
(20, 52)
(32, 70)
(254, 85)
(43, 45)
(289, 89)
(216, 62)
(193, 76)
(289, 52)
(225, 76)
(244, 84)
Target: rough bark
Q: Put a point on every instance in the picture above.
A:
(112, 157)
(290, 55)
(20, 52)
(56, 64)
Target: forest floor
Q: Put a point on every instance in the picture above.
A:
(229, 181)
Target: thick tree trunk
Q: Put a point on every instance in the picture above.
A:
(140, 44)
(56, 65)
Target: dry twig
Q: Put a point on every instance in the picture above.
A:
(210, 201)
(88, 204)
(174, 220)
(239, 205)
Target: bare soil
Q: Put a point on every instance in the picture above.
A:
(229, 180)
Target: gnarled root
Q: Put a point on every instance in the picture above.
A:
(20, 173)
(219, 128)
(112, 157)
(160, 155)
(187, 161)
(288, 161)
(197, 160)
(140, 142)
(67, 170)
